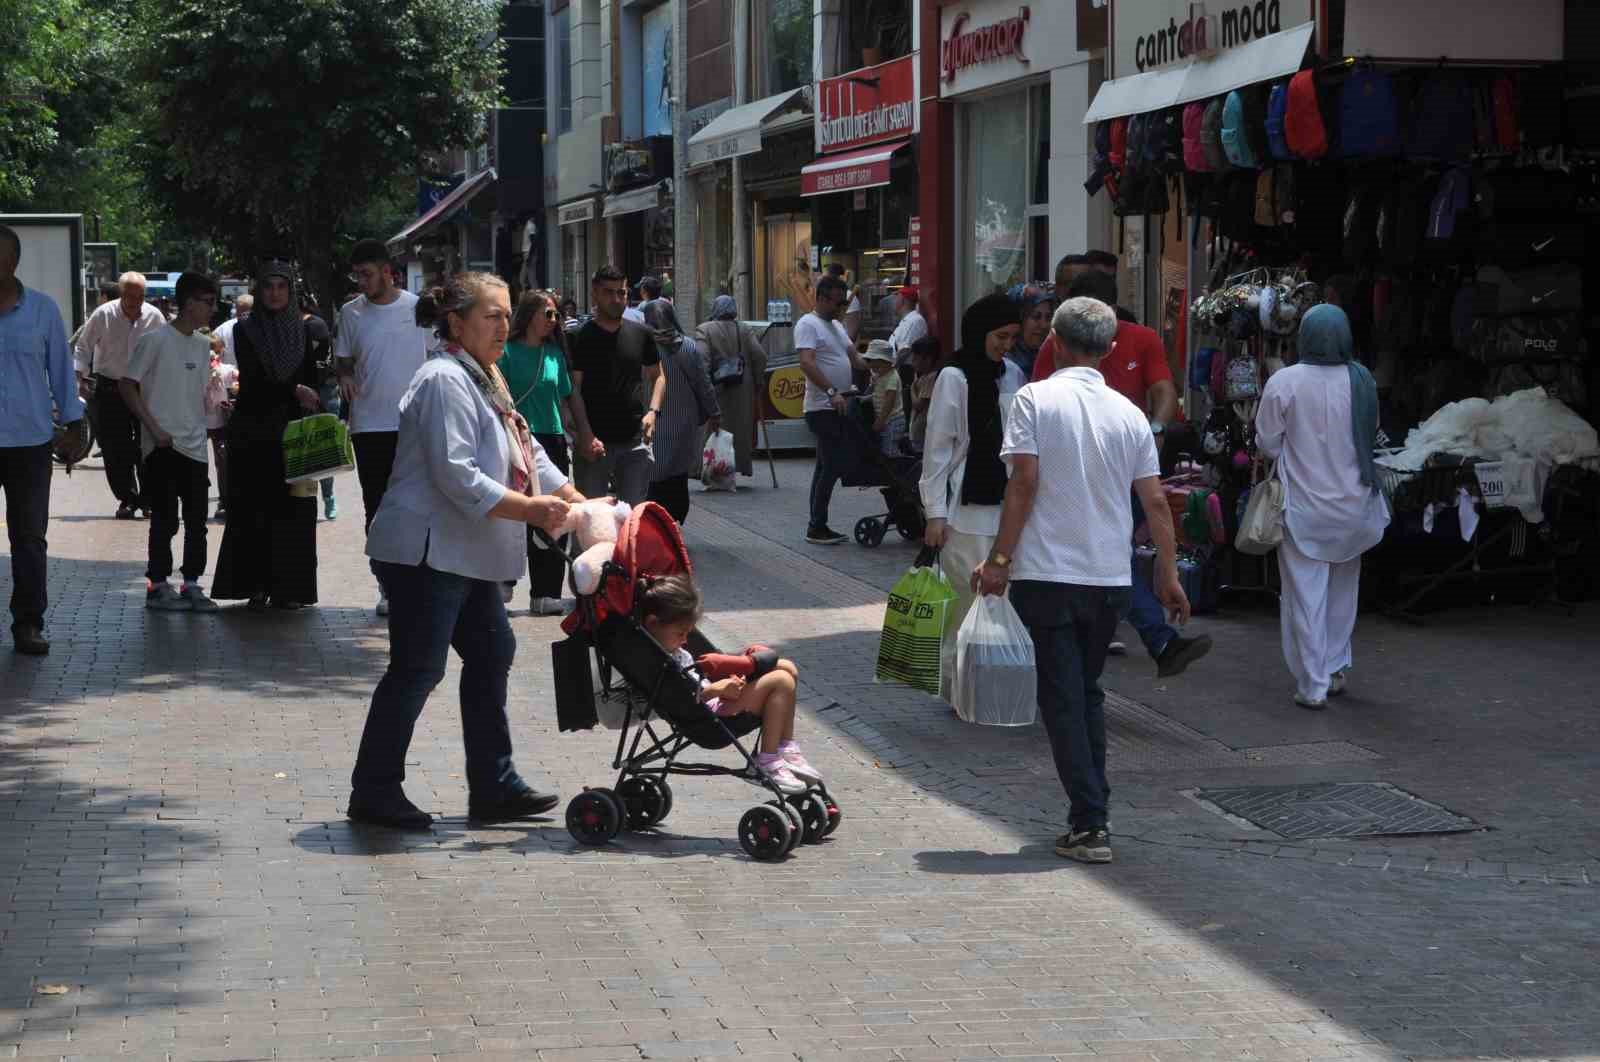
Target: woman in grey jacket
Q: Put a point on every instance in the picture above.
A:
(468, 477)
(690, 406)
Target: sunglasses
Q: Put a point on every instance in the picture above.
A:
(551, 315)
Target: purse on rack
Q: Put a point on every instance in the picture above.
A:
(1261, 528)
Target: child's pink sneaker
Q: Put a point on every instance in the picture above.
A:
(776, 769)
(798, 763)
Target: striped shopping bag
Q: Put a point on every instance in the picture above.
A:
(913, 627)
(316, 447)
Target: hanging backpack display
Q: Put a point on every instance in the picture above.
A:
(1369, 116)
(1211, 136)
(1361, 222)
(1235, 143)
(1445, 238)
(1540, 100)
(1503, 94)
(1119, 143)
(1442, 122)
(1194, 156)
(1401, 219)
(1254, 99)
(1303, 127)
(1277, 109)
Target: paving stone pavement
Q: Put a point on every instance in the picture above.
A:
(180, 883)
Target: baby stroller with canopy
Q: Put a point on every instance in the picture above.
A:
(663, 716)
(898, 478)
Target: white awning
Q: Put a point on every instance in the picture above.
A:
(737, 131)
(633, 200)
(444, 209)
(1264, 59)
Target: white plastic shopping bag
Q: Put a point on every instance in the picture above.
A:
(717, 471)
(995, 683)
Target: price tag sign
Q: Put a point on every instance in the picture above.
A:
(1492, 483)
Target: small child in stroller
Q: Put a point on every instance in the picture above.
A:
(669, 609)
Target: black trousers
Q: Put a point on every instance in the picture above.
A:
(172, 480)
(25, 479)
(547, 572)
(374, 462)
(119, 442)
(672, 494)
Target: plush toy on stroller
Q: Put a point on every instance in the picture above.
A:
(677, 697)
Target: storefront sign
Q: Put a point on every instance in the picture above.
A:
(786, 390)
(914, 266)
(984, 43)
(573, 213)
(868, 174)
(968, 45)
(867, 106)
(1150, 34)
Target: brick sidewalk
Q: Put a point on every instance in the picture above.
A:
(180, 882)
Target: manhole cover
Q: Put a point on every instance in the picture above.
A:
(1335, 809)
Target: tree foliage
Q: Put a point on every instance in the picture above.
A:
(273, 121)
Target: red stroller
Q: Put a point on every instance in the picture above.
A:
(663, 712)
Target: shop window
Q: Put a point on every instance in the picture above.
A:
(714, 238)
(783, 271)
(878, 30)
(564, 71)
(995, 194)
(782, 46)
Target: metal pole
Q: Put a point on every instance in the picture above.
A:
(741, 228)
(686, 281)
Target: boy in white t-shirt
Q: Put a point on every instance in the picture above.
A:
(165, 388)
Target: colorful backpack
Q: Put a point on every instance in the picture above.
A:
(1211, 136)
(1443, 238)
(1235, 142)
(1442, 125)
(1194, 156)
(1277, 108)
(1303, 127)
(1119, 143)
(1369, 123)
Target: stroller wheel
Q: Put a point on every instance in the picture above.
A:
(797, 829)
(618, 806)
(593, 817)
(870, 531)
(647, 800)
(813, 814)
(835, 816)
(764, 833)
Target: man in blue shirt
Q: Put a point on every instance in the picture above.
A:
(36, 369)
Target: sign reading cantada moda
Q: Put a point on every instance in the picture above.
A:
(1150, 34)
(867, 106)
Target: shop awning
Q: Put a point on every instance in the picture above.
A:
(1264, 59)
(444, 209)
(868, 168)
(633, 200)
(737, 131)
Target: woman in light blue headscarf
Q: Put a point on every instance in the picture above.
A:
(738, 368)
(1319, 419)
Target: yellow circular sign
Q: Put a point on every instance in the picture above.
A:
(786, 390)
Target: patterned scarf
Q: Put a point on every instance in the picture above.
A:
(279, 336)
(493, 387)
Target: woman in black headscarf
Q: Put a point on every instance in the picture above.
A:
(963, 478)
(269, 546)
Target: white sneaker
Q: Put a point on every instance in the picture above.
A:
(780, 774)
(198, 601)
(164, 598)
(1336, 684)
(383, 603)
(551, 606)
(798, 764)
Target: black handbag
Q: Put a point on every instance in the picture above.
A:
(574, 682)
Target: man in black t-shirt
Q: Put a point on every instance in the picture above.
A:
(614, 366)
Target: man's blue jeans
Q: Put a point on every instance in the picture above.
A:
(429, 612)
(1071, 628)
(832, 460)
(1146, 613)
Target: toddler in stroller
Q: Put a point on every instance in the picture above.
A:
(896, 475)
(640, 621)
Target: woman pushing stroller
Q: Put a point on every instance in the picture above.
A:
(669, 609)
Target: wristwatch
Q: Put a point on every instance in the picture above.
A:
(1158, 427)
(999, 560)
(833, 392)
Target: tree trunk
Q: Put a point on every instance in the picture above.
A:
(316, 263)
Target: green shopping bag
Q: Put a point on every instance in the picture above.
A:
(913, 626)
(316, 447)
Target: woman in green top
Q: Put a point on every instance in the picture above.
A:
(535, 369)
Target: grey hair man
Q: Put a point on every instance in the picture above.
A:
(103, 347)
(1076, 448)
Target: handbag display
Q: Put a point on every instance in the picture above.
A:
(1261, 529)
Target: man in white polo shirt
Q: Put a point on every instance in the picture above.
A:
(828, 359)
(1076, 448)
(378, 350)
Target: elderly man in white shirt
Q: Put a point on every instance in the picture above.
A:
(911, 327)
(1076, 449)
(449, 532)
(103, 347)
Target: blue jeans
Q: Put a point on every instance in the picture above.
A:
(1072, 628)
(1146, 613)
(429, 613)
(832, 460)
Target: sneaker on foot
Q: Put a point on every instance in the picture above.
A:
(779, 773)
(257, 603)
(330, 508)
(383, 603)
(127, 512)
(166, 599)
(1086, 846)
(823, 536)
(1180, 653)
(550, 606)
(1117, 648)
(198, 601)
(799, 764)
(1307, 702)
(1337, 684)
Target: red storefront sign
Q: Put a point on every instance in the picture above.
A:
(983, 44)
(855, 169)
(867, 106)
(914, 267)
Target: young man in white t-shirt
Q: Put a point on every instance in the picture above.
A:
(165, 388)
(378, 350)
(1076, 448)
(828, 359)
